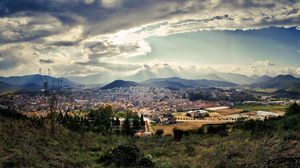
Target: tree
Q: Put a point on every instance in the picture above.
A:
(102, 119)
(60, 117)
(117, 122)
(126, 126)
(107, 118)
(136, 122)
(126, 156)
(159, 132)
(178, 133)
(293, 109)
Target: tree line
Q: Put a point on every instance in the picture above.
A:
(103, 121)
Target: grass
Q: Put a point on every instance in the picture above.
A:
(25, 144)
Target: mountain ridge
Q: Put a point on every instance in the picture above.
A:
(173, 82)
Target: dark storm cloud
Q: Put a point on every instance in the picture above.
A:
(86, 33)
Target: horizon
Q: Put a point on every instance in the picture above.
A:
(171, 77)
(98, 41)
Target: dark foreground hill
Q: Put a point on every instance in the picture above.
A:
(28, 143)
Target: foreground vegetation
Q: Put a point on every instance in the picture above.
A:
(27, 142)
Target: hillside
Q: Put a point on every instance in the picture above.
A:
(5, 87)
(120, 83)
(28, 143)
(30, 83)
(180, 83)
(35, 79)
(280, 82)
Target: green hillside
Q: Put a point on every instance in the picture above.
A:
(28, 142)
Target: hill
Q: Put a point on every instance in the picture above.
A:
(260, 79)
(28, 142)
(180, 83)
(30, 83)
(280, 82)
(146, 74)
(35, 79)
(120, 83)
(5, 87)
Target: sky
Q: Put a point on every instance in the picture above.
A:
(97, 41)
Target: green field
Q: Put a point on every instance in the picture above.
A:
(272, 108)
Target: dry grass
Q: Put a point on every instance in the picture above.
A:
(168, 129)
(230, 111)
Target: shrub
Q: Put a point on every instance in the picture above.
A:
(293, 109)
(217, 129)
(255, 126)
(178, 133)
(159, 132)
(126, 156)
(8, 113)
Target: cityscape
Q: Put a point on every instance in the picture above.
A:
(149, 83)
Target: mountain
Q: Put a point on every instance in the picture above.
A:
(166, 84)
(120, 83)
(31, 83)
(147, 74)
(35, 79)
(260, 79)
(280, 82)
(235, 78)
(180, 83)
(5, 87)
(172, 83)
(290, 94)
(210, 76)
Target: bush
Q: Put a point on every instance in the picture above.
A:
(217, 129)
(126, 156)
(291, 123)
(159, 132)
(255, 126)
(178, 133)
(7, 113)
(293, 109)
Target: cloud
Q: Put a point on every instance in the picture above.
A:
(14, 59)
(94, 35)
(266, 63)
(111, 3)
(111, 66)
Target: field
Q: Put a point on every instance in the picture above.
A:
(168, 129)
(190, 125)
(229, 111)
(272, 108)
(265, 90)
